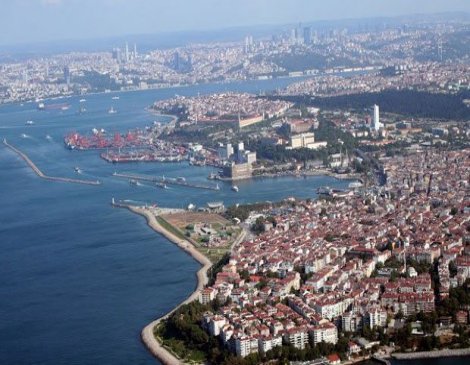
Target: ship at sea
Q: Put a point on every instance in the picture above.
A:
(112, 110)
(235, 188)
(56, 106)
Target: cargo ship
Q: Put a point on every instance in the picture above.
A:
(57, 106)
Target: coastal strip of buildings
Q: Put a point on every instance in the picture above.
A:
(350, 262)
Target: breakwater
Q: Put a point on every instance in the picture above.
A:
(166, 180)
(431, 354)
(44, 176)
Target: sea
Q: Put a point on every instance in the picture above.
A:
(79, 279)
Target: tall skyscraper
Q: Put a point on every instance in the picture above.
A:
(127, 52)
(376, 118)
(135, 51)
(67, 75)
(117, 55)
(307, 35)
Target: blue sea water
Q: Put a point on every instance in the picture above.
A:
(78, 278)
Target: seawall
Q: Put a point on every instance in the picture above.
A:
(431, 354)
(147, 334)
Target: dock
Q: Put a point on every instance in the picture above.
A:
(165, 180)
(44, 176)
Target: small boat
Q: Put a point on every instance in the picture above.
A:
(78, 170)
(324, 190)
(48, 137)
(181, 179)
(23, 135)
(82, 100)
(162, 185)
(115, 98)
(235, 188)
(112, 111)
(134, 182)
(29, 122)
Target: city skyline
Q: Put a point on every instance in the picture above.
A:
(38, 21)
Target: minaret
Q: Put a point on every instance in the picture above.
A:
(404, 256)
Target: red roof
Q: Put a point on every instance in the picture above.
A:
(333, 358)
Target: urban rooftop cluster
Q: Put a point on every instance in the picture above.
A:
(430, 76)
(299, 51)
(331, 264)
(240, 107)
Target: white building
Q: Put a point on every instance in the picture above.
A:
(376, 317)
(215, 325)
(268, 343)
(297, 337)
(326, 332)
(207, 295)
(351, 322)
(245, 345)
(376, 118)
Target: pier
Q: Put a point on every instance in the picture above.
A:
(165, 180)
(44, 176)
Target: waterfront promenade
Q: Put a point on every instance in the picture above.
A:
(44, 176)
(431, 354)
(147, 334)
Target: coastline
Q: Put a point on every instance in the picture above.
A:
(431, 354)
(147, 334)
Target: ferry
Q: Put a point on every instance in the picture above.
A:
(29, 122)
(115, 98)
(82, 100)
(213, 176)
(58, 106)
(324, 190)
(112, 111)
(235, 188)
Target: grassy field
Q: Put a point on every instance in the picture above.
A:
(181, 224)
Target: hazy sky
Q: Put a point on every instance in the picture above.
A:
(45, 20)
